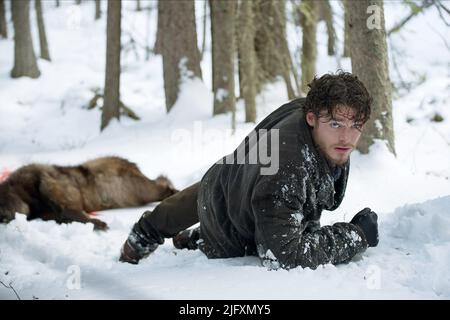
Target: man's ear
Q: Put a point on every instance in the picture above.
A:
(311, 119)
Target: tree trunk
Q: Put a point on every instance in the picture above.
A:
(3, 26)
(282, 44)
(138, 5)
(247, 62)
(223, 51)
(157, 48)
(24, 58)
(98, 9)
(57, 3)
(148, 50)
(111, 104)
(308, 11)
(270, 43)
(178, 40)
(346, 52)
(265, 47)
(205, 10)
(45, 54)
(326, 14)
(368, 51)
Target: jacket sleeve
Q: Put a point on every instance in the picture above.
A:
(286, 233)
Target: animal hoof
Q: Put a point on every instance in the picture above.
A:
(99, 225)
(5, 220)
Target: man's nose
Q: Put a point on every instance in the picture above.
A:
(344, 135)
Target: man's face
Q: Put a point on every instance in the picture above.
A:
(336, 135)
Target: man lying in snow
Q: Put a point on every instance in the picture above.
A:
(243, 211)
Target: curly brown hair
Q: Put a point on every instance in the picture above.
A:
(340, 89)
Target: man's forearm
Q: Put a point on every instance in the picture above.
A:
(330, 244)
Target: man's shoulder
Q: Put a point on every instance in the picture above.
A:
(294, 104)
(281, 114)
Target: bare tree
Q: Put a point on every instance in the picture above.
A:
(148, 50)
(57, 3)
(223, 52)
(24, 58)
(271, 45)
(138, 5)
(178, 44)
(326, 15)
(247, 59)
(3, 26)
(308, 11)
(368, 52)
(161, 23)
(205, 15)
(111, 106)
(98, 9)
(45, 54)
(346, 52)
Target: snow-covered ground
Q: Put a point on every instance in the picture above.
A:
(46, 120)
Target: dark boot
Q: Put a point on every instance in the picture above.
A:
(129, 254)
(187, 239)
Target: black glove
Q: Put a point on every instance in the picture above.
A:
(366, 220)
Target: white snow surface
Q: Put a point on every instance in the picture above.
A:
(46, 120)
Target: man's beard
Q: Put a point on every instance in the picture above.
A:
(332, 162)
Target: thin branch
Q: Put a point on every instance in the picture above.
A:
(440, 36)
(413, 13)
(403, 84)
(444, 7)
(12, 288)
(441, 135)
(441, 15)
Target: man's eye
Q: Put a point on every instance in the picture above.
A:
(335, 125)
(357, 126)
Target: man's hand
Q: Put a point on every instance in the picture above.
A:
(366, 220)
(129, 254)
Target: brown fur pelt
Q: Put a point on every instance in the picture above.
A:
(70, 193)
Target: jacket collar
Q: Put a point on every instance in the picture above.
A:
(325, 169)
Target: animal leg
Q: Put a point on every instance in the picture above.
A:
(81, 216)
(65, 201)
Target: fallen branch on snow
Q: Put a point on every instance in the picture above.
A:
(123, 109)
(12, 288)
